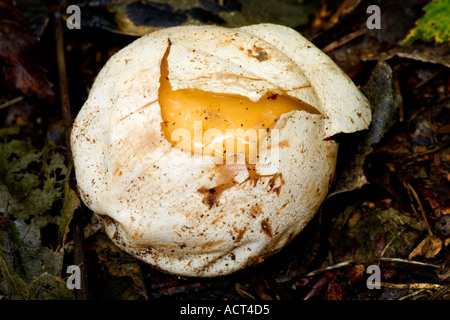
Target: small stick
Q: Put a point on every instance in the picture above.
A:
(63, 83)
(422, 211)
(11, 102)
(328, 268)
(412, 286)
(344, 40)
(78, 231)
(418, 263)
(349, 263)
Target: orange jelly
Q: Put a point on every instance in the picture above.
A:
(218, 124)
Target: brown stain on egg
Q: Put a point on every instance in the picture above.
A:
(266, 227)
(211, 195)
(114, 225)
(283, 144)
(255, 210)
(211, 244)
(273, 183)
(258, 53)
(240, 234)
(225, 178)
(253, 176)
(225, 173)
(117, 171)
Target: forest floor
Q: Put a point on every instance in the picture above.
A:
(387, 216)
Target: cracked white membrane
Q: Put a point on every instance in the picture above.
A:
(182, 211)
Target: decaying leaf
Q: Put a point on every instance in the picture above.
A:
(384, 101)
(359, 241)
(434, 25)
(428, 248)
(31, 189)
(18, 47)
(71, 203)
(11, 279)
(439, 54)
(49, 287)
(45, 286)
(37, 14)
(123, 277)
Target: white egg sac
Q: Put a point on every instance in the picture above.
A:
(189, 213)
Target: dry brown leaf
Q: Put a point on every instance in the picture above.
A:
(428, 248)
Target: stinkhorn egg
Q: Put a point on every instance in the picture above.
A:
(206, 149)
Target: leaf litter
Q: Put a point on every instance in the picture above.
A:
(32, 185)
(18, 55)
(388, 207)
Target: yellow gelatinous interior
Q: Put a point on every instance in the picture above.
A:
(218, 124)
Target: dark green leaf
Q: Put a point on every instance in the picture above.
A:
(71, 203)
(32, 182)
(11, 279)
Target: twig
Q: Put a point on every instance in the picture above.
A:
(63, 83)
(328, 268)
(416, 294)
(418, 263)
(411, 286)
(423, 82)
(11, 102)
(422, 211)
(344, 40)
(78, 232)
(424, 153)
(349, 263)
